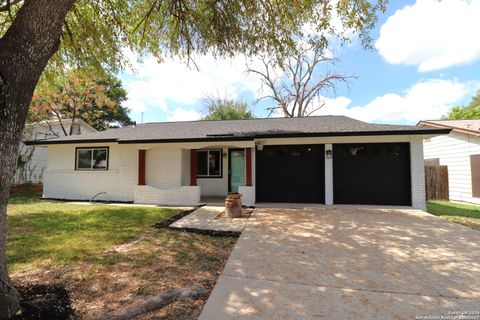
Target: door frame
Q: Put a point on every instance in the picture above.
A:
(230, 165)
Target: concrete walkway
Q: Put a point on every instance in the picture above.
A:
(345, 263)
(204, 218)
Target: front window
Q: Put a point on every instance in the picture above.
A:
(92, 159)
(209, 163)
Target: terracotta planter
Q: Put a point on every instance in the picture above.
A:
(233, 205)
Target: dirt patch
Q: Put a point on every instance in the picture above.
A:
(44, 302)
(163, 260)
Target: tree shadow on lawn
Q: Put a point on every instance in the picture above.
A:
(67, 246)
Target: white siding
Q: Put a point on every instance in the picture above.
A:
(454, 151)
(32, 171)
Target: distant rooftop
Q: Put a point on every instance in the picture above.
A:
(242, 130)
(466, 126)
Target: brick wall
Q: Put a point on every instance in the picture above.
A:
(34, 189)
(417, 173)
(62, 181)
(185, 195)
(248, 195)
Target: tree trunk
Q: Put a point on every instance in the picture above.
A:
(25, 49)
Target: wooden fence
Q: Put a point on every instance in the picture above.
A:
(436, 182)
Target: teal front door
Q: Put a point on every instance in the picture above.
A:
(236, 169)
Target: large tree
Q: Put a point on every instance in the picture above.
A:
(40, 36)
(470, 111)
(226, 109)
(297, 83)
(83, 95)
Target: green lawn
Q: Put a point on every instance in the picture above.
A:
(42, 233)
(59, 243)
(466, 214)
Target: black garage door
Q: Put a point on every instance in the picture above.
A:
(372, 173)
(293, 173)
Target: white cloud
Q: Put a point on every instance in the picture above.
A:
(432, 34)
(428, 99)
(174, 82)
(180, 114)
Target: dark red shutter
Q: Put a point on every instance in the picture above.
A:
(248, 158)
(193, 167)
(141, 167)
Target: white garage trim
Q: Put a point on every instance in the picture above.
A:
(328, 176)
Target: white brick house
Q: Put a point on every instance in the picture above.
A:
(329, 159)
(460, 151)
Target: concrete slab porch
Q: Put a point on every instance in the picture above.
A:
(204, 218)
(348, 263)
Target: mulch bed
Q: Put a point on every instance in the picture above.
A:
(212, 233)
(169, 221)
(44, 302)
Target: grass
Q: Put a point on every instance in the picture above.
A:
(60, 243)
(48, 233)
(466, 214)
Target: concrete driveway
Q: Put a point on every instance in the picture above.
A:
(348, 263)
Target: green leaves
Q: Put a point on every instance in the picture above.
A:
(227, 109)
(97, 33)
(81, 95)
(470, 111)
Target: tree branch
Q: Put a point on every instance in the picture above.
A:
(159, 301)
(301, 82)
(9, 4)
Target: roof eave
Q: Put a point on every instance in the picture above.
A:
(457, 129)
(355, 133)
(212, 139)
(246, 138)
(54, 141)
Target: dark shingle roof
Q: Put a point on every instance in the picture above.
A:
(242, 130)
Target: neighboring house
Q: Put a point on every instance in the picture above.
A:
(460, 151)
(32, 160)
(328, 159)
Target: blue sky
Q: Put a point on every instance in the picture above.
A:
(425, 61)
